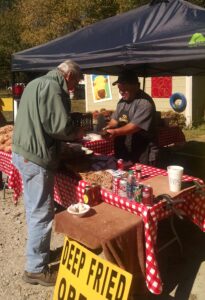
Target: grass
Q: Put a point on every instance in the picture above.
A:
(195, 132)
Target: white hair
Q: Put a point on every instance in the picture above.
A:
(69, 66)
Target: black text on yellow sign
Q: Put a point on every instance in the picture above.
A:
(85, 276)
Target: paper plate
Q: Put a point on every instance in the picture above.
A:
(78, 209)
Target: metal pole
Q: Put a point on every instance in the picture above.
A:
(144, 81)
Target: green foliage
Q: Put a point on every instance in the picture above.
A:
(198, 2)
(194, 132)
(130, 4)
(9, 41)
(26, 23)
(43, 20)
(5, 4)
(96, 10)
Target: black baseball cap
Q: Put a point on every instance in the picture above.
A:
(127, 76)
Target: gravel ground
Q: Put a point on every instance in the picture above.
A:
(183, 276)
(12, 248)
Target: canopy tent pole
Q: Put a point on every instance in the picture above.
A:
(144, 82)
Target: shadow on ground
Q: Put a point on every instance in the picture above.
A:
(179, 270)
(191, 156)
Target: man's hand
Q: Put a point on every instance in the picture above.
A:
(129, 128)
(112, 132)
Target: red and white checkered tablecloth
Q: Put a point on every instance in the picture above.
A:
(193, 208)
(66, 189)
(14, 178)
(104, 147)
(166, 136)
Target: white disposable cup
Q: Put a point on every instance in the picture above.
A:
(175, 178)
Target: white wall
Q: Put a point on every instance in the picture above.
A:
(162, 104)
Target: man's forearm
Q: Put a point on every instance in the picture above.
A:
(112, 124)
(124, 130)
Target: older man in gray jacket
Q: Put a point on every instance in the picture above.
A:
(42, 122)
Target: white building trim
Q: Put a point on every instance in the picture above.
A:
(188, 111)
(86, 92)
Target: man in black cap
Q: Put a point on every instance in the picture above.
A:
(133, 124)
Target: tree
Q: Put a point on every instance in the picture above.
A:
(44, 20)
(96, 10)
(130, 4)
(198, 2)
(5, 4)
(9, 39)
(27, 23)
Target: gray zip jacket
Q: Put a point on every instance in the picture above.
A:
(43, 120)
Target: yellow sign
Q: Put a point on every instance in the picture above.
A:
(6, 104)
(85, 276)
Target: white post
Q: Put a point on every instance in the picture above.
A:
(188, 111)
(15, 108)
(86, 92)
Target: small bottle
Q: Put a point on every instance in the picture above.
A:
(87, 194)
(96, 194)
(131, 182)
(138, 173)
